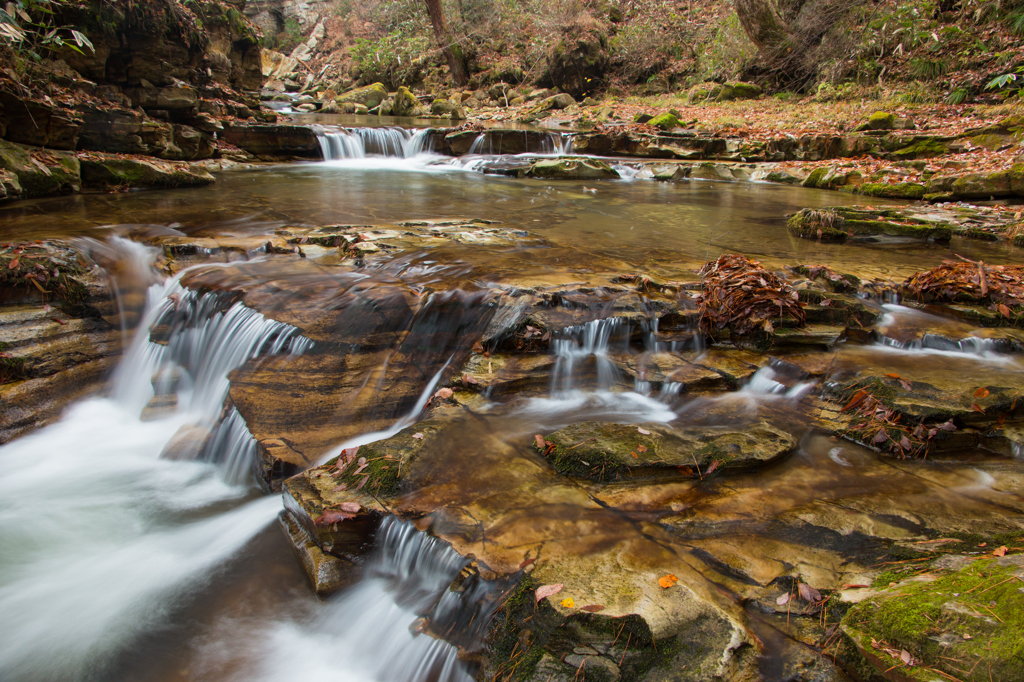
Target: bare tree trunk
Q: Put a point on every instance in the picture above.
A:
(452, 52)
(764, 26)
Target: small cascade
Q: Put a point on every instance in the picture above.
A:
(532, 143)
(971, 345)
(188, 344)
(358, 143)
(575, 344)
(232, 448)
(390, 625)
(763, 383)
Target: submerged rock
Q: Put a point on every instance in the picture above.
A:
(112, 172)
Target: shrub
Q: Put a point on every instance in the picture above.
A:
(393, 60)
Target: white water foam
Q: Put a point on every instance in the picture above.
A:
(367, 633)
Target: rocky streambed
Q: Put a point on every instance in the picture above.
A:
(704, 469)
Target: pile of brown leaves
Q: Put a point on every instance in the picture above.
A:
(1001, 286)
(880, 427)
(738, 293)
(49, 267)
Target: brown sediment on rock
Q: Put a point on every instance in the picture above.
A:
(739, 295)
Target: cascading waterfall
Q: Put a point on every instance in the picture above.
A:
(358, 143)
(573, 345)
(384, 628)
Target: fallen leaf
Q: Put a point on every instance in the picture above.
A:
(667, 581)
(568, 603)
(349, 454)
(443, 393)
(981, 393)
(478, 347)
(854, 586)
(350, 507)
(808, 593)
(592, 608)
(333, 516)
(894, 376)
(539, 441)
(547, 590)
(858, 397)
(339, 488)
(642, 431)
(527, 562)
(999, 551)
(880, 437)
(469, 379)
(783, 600)
(362, 482)
(966, 636)
(977, 408)
(641, 448)
(418, 436)
(906, 385)
(906, 657)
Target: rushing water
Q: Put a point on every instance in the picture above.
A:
(130, 554)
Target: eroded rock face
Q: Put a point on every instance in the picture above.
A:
(274, 140)
(572, 169)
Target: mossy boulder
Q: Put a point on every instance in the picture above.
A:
(572, 168)
(665, 121)
(977, 186)
(718, 92)
(41, 173)
(369, 96)
(911, 191)
(880, 120)
(922, 149)
(741, 90)
(965, 623)
(404, 102)
(107, 172)
(839, 223)
(603, 451)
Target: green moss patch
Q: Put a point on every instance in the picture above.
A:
(967, 624)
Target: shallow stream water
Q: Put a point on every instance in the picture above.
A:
(118, 564)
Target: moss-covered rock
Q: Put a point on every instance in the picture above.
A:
(977, 186)
(41, 173)
(880, 120)
(741, 90)
(572, 168)
(369, 95)
(922, 149)
(665, 121)
(603, 451)
(901, 190)
(1017, 179)
(825, 225)
(965, 623)
(839, 223)
(111, 172)
(404, 102)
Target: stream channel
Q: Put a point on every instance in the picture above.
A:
(124, 559)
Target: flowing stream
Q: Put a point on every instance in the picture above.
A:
(128, 554)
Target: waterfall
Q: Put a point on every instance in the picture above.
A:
(358, 143)
(573, 345)
(387, 626)
(208, 335)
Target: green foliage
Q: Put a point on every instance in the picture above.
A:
(928, 69)
(30, 27)
(916, 93)
(645, 49)
(393, 60)
(958, 96)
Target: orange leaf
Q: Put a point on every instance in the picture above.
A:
(981, 393)
(568, 603)
(667, 581)
(999, 551)
(641, 448)
(894, 376)
(858, 397)
(977, 408)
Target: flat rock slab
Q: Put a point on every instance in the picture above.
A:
(603, 451)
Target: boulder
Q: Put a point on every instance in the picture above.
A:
(719, 92)
(880, 120)
(665, 121)
(38, 123)
(572, 168)
(40, 173)
(369, 96)
(112, 172)
(274, 140)
(404, 102)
